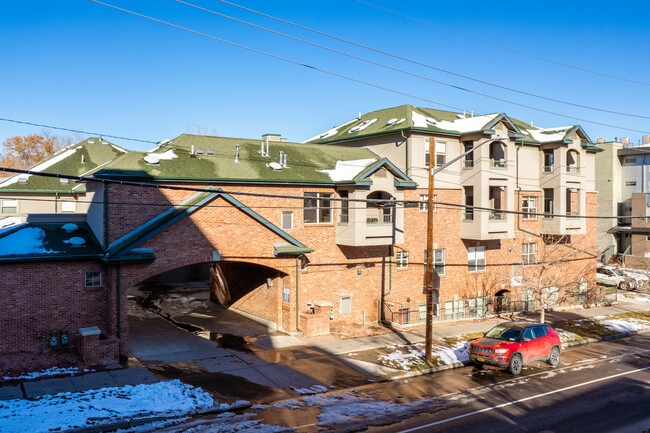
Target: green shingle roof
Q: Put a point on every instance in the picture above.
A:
(214, 160)
(411, 118)
(94, 152)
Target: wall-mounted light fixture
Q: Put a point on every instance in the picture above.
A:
(359, 271)
(269, 282)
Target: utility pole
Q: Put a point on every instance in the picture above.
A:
(429, 276)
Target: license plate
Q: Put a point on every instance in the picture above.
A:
(479, 359)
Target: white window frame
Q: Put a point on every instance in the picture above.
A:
(529, 253)
(68, 206)
(424, 201)
(455, 309)
(401, 259)
(441, 153)
(319, 206)
(93, 278)
(476, 255)
(9, 203)
(529, 208)
(437, 262)
(477, 306)
(284, 214)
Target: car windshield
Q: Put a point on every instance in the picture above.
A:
(617, 272)
(504, 333)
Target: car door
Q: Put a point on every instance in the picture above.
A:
(528, 350)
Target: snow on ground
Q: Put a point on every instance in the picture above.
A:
(629, 324)
(347, 170)
(316, 389)
(28, 240)
(566, 336)
(80, 409)
(49, 372)
(231, 423)
(641, 297)
(408, 357)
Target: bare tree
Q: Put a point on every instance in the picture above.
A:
(554, 270)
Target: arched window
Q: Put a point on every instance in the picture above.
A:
(380, 211)
(497, 154)
(572, 161)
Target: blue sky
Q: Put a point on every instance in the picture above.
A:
(81, 65)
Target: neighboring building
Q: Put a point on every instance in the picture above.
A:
(22, 194)
(623, 183)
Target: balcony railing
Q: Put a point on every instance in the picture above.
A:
(468, 216)
(497, 216)
(344, 218)
(469, 163)
(572, 169)
(572, 214)
(548, 215)
(548, 169)
(499, 163)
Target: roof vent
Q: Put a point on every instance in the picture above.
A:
(91, 141)
(69, 227)
(64, 181)
(199, 151)
(391, 121)
(275, 166)
(237, 152)
(209, 152)
(151, 159)
(460, 116)
(76, 241)
(22, 179)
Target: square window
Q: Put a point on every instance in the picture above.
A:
(287, 220)
(317, 208)
(68, 206)
(401, 259)
(93, 278)
(475, 259)
(454, 309)
(529, 253)
(438, 261)
(346, 304)
(424, 201)
(529, 206)
(9, 206)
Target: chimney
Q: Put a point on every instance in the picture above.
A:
(601, 140)
(284, 161)
(625, 141)
(280, 161)
(646, 139)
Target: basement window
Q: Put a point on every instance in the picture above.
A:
(93, 278)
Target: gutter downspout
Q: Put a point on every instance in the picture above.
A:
(297, 287)
(391, 252)
(105, 215)
(56, 202)
(519, 215)
(406, 165)
(119, 301)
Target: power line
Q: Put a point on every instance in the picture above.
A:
(386, 203)
(354, 79)
(532, 56)
(404, 59)
(75, 130)
(278, 57)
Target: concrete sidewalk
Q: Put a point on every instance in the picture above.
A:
(285, 364)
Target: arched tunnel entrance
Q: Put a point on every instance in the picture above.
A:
(194, 311)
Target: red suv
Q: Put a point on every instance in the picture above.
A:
(511, 345)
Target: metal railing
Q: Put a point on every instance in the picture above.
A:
(548, 169)
(469, 163)
(497, 215)
(499, 163)
(572, 169)
(468, 216)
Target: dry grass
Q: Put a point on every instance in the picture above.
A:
(346, 331)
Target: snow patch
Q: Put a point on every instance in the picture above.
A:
(624, 325)
(10, 223)
(70, 410)
(40, 167)
(165, 156)
(116, 147)
(49, 372)
(549, 134)
(316, 389)
(361, 126)
(347, 170)
(329, 132)
(25, 241)
(469, 124)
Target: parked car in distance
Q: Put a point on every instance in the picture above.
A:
(610, 276)
(514, 344)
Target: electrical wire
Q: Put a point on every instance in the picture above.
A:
(76, 130)
(351, 78)
(385, 203)
(406, 59)
(532, 56)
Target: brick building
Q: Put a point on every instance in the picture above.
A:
(296, 233)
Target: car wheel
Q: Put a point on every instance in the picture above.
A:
(624, 286)
(515, 364)
(553, 357)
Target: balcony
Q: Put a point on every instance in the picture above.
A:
(469, 163)
(548, 169)
(572, 169)
(497, 216)
(498, 163)
(468, 216)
